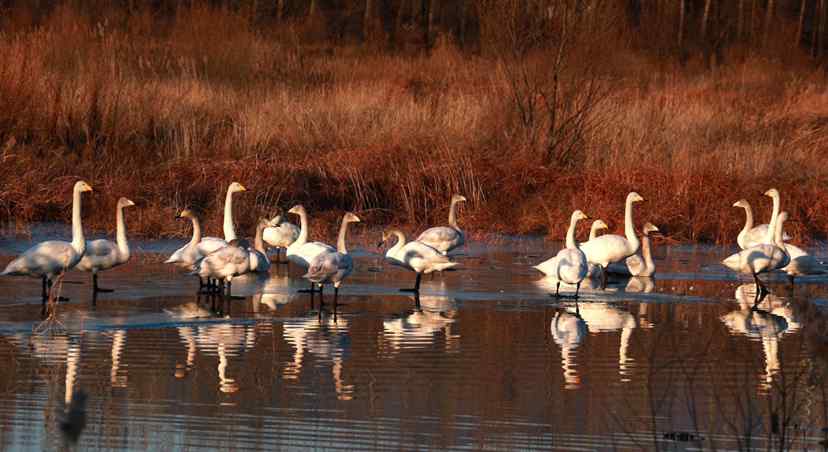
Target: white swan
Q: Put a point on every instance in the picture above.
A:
(258, 255)
(570, 264)
(802, 263)
(764, 257)
(610, 248)
(46, 260)
(197, 248)
(301, 252)
(568, 331)
(225, 263)
(280, 234)
(597, 225)
(105, 254)
(752, 235)
(229, 229)
(415, 256)
(445, 238)
(333, 267)
(639, 264)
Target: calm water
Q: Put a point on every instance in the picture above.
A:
(485, 359)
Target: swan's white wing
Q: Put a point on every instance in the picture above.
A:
(227, 261)
(423, 258)
(209, 245)
(282, 235)
(46, 258)
(304, 254)
(606, 249)
(329, 267)
(758, 234)
(572, 266)
(100, 254)
(441, 238)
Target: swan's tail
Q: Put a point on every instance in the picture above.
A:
(445, 266)
(13, 269)
(733, 262)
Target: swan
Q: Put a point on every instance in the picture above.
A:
(258, 255)
(570, 264)
(568, 331)
(333, 267)
(638, 264)
(764, 257)
(802, 263)
(197, 248)
(301, 252)
(105, 254)
(415, 256)
(751, 235)
(225, 263)
(445, 238)
(610, 248)
(418, 328)
(597, 225)
(48, 259)
(280, 234)
(229, 229)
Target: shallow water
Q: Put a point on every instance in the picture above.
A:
(484, 359)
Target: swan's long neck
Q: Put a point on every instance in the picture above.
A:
(229, 230)
(629, 228)
(646, 253)
(453, 215)
(120, 234)
(196, 231)
(397, 246)
(593, 231)
(771, 236)
(570, 233)
(258, 241)
(748, 218)
(777, 233)
(340, 242)
(78, 240)
(303, 229)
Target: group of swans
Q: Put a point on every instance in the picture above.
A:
(47, 260)
(763, 248)
(608, 253)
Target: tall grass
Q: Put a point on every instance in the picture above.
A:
(168, 111)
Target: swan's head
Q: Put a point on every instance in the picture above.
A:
(458, 198)
(387, 234)
(579, 215)
(298, 209)
(634, 197)
(649, 227)
(276, 221)
(599, 224)
(81, 186)
(235, 187)
(741, 203)
(186, 213)
(773, 193)
(350, 218)
(124, 202)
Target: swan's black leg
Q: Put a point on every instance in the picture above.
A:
(791, 280)
(557, 290)
(95, 287)
(603, 277)
(310, 290)
(577, 289)
(336, 298)
(44, 294)
(416, 288)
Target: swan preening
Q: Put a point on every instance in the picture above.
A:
(105, 254)
(609, 248)
(280, 234)
(47, 260)
(415, 256)
(333, 267)
(445, 238)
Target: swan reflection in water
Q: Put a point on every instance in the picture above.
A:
(224, 340)
(434, 312)
(325, 337)
(766, 321)
(272, 291)
(628, 284)
(54, 350)
(570, 326)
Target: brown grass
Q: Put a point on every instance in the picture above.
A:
(169, 113)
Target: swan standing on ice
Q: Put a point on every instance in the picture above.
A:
(301, 252)
(225, 263)
(46, 260)
(610, 248)
(445, 238)
(258, 255)
(333, 267)
(764, 257)
(638, 264)
(105, 254)
(280, 234)
(196, 249)
(415, 256)
(570, 264)
(752, 235)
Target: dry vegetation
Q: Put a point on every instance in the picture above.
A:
(167, 108)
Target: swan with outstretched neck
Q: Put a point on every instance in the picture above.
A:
(764, 257)
(610, 248)
(280, 234)
(333, 267)
(445, 238)
(104, 254)
(639, 264)
(47, 260)
(570, 264)
(415, 256)
(753, 235)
